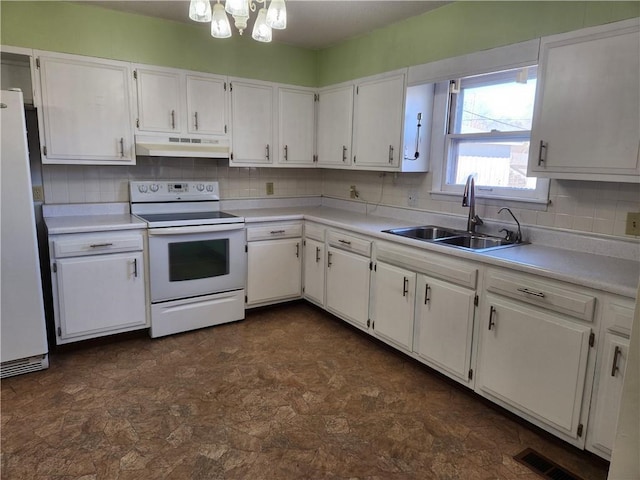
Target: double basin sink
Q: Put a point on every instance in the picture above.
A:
(453, 238)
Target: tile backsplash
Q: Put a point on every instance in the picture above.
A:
(598, 207)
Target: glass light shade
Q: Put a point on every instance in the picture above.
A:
(261, 31)
(240, 22)
(277, 15)
(200, 10)
(220, 27)
(237, 8)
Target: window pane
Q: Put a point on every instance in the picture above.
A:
(498, 102)
(494, 163)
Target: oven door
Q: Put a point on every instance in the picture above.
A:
(198, 260)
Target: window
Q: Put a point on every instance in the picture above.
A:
(488, 133)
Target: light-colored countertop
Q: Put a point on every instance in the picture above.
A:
(93, 223)
(609, 274)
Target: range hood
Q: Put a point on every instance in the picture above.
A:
(174, 146)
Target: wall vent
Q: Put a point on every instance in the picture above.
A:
(24, 365)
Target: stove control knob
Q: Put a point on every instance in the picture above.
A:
(154, 187)
(200, 187)
(209, 188)
(142, 188)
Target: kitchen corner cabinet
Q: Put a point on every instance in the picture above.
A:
(314, 263)
(586, 122)
(534, 349)
(617, 317)
(274, 259)
(252, 119)
(98, 282)
(296, 127)
(393, 293)
(86, 112)
(335, 123)
(348, 268)
(377, 125)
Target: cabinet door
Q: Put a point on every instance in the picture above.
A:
(587, 114)
(206, 105)
(252, 119)
(535, 362)
(314, 255)
(274, 270)
(86, 111)
(393, 304)
(348, 286)
(611, 379)
(335, 121)
(378, 117)
(100, 294)
(444, 317)
(159, 101)
(297, 127)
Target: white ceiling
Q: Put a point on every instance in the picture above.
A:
(311, 24)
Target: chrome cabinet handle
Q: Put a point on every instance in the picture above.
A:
(173, 119)
(317, 254)
(390, 153)
(286, 153)
(427, 291)
(297, 250)
(345, 242)
(276, 232)
(99, 245)
(268, 155)
(616, 354)
(196, 120)
(344, 153)
(121, 147)
(135, 267)
(492, 310)
(531, 292)
(329, 259)
(542, 152)
(405, 287)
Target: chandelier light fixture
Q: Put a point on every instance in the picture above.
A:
(268, 18)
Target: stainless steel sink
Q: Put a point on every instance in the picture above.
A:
(427, 232)
(452, 238)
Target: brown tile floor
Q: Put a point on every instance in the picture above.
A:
(289, 393)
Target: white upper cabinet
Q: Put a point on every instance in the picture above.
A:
(86, 110)
(335, 121)
(252, 116)
(206, 105)
(297, 126)
(180, 102)
(586, 123)
(377, 127)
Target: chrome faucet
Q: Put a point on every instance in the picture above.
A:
(469, 200)
(511, 236)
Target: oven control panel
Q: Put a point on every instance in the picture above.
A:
(171, 191)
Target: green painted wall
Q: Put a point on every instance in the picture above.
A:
(95, 31)
(455, 29)
(459, 28)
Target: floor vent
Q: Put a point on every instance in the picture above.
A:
(543, 466)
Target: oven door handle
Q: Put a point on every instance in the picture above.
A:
(225, 227)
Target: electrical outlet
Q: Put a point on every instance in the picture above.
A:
(38, 193)
(633, 223)
(353, 193)
(269, 188)
(412, 201)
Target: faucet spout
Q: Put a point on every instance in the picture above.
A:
(469, 200)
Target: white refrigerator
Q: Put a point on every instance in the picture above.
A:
(23, 333)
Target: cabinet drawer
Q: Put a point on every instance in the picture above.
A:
(617, 315)
(314, 231)
(269, 232)
(349, 242)
(438, 266)
(75, 245)
(543, 294)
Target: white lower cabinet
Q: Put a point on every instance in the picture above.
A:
(314, 265)
(444, 326)
(98, 289)
(393, 293)
(274, 263)
(534, 362)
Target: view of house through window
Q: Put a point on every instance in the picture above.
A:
(489, 130)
